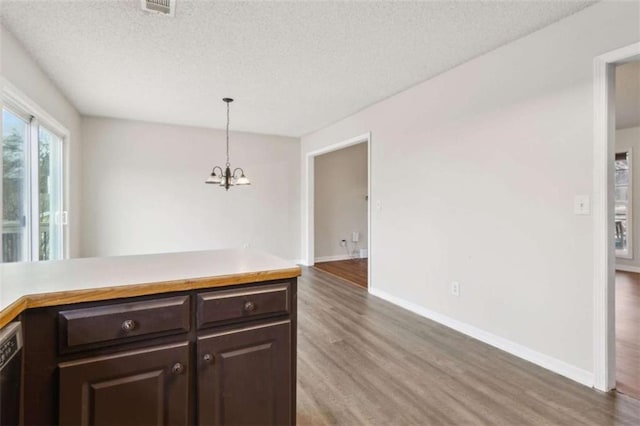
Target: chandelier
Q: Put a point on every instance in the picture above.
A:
(226, 178)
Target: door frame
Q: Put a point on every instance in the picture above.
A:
(604, 344)
(308, 222)
(11, 96)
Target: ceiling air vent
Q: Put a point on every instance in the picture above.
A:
(161, 7)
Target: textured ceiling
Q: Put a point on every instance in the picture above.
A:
(628, 95)
(293, 67)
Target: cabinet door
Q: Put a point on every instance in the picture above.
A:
(244, 376)
(142, 387)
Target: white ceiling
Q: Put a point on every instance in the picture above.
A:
(293, 67)
(628, 95)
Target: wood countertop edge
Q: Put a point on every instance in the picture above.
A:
(132, 290)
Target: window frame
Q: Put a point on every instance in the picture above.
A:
(18, 103)
(628, 253)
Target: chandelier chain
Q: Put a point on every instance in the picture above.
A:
(228, 164)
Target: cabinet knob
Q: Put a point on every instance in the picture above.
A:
(128, 325)
(177, 368)
(207, 358)
(249, 306)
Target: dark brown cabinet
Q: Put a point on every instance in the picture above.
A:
(244, 376)
(133, 388)
(201, 357)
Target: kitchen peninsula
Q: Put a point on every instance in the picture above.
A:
(179, 338)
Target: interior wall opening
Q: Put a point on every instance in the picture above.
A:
(626, 191)
(341, 213)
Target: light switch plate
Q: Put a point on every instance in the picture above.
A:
(582, 205)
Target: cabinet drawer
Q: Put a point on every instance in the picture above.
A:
(242, 303)
(105, 324)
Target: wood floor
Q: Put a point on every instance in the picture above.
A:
(364, 361)
(628, 333)
(352, 270)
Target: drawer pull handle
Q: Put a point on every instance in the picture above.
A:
(249, 307)
(207, 358)
(128, 325)
(177, 368)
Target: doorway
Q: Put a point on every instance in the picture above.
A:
(626, 192)
(340, 203)
(337, 231)
(612, 227)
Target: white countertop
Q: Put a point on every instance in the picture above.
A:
(75, 280)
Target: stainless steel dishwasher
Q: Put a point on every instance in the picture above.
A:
(10, 373)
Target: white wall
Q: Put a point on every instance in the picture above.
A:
(630, 139)
(20, 70)
(340, 201)
(476, 171)
(144, 190)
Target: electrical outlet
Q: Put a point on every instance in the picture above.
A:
(343, 243)
(455, 288)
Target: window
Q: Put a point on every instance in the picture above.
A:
(32, 189)
(623, 196)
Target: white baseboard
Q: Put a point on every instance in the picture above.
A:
(332, 258)
(628, 268)
(557, 366)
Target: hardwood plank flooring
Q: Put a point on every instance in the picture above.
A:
(364, 361)
(352, 270)
(628, 333)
